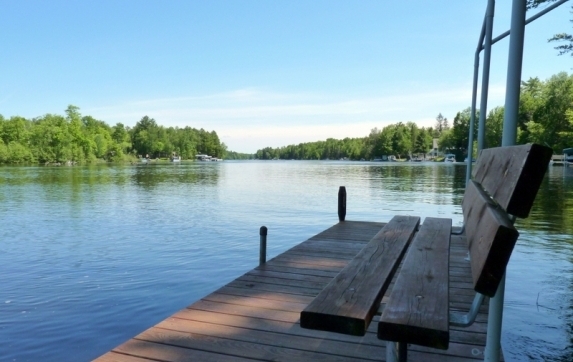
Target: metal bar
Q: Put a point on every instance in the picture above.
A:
(263, 245)
(462, 230)
(473, 109)
(512, 92)
(472, 120)
(533, 18)
(514, 65)
(481, 47)
(485, 74)
(465, 320)
(494, 318)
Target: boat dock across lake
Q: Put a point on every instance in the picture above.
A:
(256, 316)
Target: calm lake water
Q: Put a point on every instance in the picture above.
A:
(91, 256)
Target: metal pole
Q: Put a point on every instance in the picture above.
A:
(263, 246)
(341, 203)
(472, 121)
(513, 86)
(533, 18)
(481, 46)
(473, 109)
(494, 319)
(485, 75)
(514, 65)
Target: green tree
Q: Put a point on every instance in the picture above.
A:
(551, 123)
(401, 140)
(423, 142)
(16, 129)
(494, 127)
(143, 136)
(441, 125)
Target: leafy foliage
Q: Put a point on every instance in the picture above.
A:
(531, 4)
(545, 117)
(397, 139)
(76, 139)
(561, 37)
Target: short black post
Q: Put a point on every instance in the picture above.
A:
(263, 247)
(341, 203)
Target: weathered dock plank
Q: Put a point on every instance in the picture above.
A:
(256, 316)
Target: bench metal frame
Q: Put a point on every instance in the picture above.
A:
(347, 304)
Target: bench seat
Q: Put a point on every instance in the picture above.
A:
(506, 180)
(348, 303)
(418, 308)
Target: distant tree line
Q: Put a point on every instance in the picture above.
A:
(545, 117)
(73, 138)
(397, 139)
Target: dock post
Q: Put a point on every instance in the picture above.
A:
(341, 203)
(263, 246)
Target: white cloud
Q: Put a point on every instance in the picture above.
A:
(249, 119)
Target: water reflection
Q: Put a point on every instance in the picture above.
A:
(151, 176)
(538, 320)
(121, 247)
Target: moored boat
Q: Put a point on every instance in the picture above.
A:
(202, 157)
(568, 156)
(450, 157)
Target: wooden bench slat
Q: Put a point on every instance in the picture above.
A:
(417, 311)
(348, 303)
(512, 175)
(491, 237)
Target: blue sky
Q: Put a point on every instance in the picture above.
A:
(259, 73)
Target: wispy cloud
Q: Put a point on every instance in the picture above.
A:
(251, 118)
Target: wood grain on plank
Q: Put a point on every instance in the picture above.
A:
(512, 175)
(417, 311)
(491, 238)
(348, 302)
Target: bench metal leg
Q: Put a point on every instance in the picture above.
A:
(466, 320)
(396, 352)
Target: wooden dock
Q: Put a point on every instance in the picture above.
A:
(256, 316)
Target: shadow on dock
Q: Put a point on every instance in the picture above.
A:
(256, 316)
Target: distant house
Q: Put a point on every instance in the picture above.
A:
(434, 152)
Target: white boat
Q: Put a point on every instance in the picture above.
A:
(207, 158)
(203, 157)
(175, 158)
(450, 157)
(568, 156)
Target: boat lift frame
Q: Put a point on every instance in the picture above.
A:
(512, 93)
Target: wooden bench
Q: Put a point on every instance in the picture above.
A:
(505, 183)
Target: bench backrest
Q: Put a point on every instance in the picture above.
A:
(505, 182)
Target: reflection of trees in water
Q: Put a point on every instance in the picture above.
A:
(432, 181)
(80, 182)
(547, 234)
(152, 176)
(567, 354)
(553, 207)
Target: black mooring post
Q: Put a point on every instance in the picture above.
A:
(341, 203)
(263, 247)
